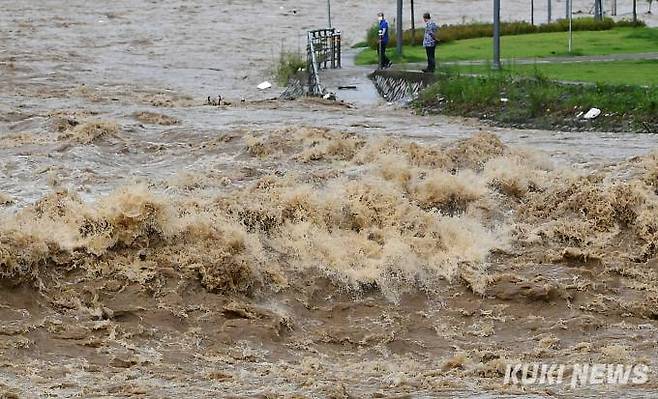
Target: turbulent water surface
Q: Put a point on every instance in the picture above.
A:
(154, 246)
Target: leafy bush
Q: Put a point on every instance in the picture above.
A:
(372, 37)
(448, 33)
(289, 64)
(360, 44)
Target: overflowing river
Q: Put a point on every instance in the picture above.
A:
(155, 246)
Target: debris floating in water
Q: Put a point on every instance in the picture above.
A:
(264, 86)
(215, 101)
(593, 113)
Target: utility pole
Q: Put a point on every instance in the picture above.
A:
(598, 9)
(399, 29)
(329, 12)
(413, 24)
(634, 11)
(532, 12)
(496, 36)
(570, 4)
(550, 11)
(614, 8)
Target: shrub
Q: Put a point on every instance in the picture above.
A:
(289, 64)
(448, 33)
(372, 37)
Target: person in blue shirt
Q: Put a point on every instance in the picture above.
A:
(384, 62)
(429, 42)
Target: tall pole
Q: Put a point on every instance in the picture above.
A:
(601, 11)
(399, 29)
(566, 11)
(550, 11)
(532, 12)
(635, 11)
(614, 8)
(496, 36)
(329, 12)
(570, 4)
(413, 24)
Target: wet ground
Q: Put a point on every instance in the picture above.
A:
(154, 246)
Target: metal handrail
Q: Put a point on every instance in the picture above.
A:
(324, 51)
(314, 85)
(328, 47)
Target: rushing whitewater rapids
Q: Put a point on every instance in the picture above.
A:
(151, 246)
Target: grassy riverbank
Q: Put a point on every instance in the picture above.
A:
(537, 102)
(629, 72)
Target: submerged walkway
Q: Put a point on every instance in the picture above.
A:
(351, 82)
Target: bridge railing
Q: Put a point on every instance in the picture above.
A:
(328, 47)
(314, 85)
(324, 51)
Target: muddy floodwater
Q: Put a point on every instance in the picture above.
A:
(154, 246)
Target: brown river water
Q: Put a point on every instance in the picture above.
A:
(154, 246)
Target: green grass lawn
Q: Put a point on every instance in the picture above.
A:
(618, 72)
(542, 103)
(615, 41)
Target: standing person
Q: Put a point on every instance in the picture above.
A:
(384, 62)
(429, 42)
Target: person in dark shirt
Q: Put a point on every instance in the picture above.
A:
(429, 42)
(384, 62)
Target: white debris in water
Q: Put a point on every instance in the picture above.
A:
(265, 85)
(592, 113)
